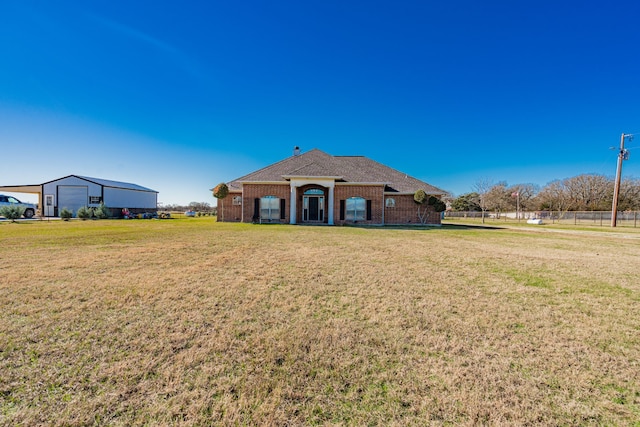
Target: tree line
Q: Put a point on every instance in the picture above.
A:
(194, 206)
(586, 192)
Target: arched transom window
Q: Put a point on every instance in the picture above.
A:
(314, 192)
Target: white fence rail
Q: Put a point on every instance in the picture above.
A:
(600, 218)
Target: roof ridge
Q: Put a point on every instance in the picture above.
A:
(290, 158)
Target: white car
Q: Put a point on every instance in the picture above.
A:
(29, 208)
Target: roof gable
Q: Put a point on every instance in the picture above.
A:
(352, 169)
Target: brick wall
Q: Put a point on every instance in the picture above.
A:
(227, 211)
(256, 191)
(406, 211)
(367, 192)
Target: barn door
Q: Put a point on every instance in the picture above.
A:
(72, 197)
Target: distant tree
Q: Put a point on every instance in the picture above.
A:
(482, 188)
(12, 212)
(502, 197)
(200, 206)
(526, 194)
(554, 197)
(629, 197)
(498, 198)
(466, 203)
(589, 192)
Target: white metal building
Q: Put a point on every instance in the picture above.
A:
(74, 191)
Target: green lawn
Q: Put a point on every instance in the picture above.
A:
(193, 322)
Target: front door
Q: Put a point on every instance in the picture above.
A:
(313, 208)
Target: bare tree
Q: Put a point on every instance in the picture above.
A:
(590, 192)
(497, 198)
(554, 197)
(524, 194)
(629, 197)
(200, 206)
(482, 188)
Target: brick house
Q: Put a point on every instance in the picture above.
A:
(317, 188)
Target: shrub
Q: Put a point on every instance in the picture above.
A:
(102, 212)
(419, 197)
(438, 205)
(12, 212)
(84, 212)
(65, 214)
(220, 191)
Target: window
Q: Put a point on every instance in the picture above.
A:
(237, 200)
(355, 209)
(390, 202)
(314, 191)
(269, 208)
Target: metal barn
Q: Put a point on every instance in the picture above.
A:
(73, 192)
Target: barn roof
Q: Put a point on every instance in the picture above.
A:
(109, 183)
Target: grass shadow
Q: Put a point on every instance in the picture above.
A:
(427, 227)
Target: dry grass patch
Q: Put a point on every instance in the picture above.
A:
(193, 322)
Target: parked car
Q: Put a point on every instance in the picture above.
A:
(29, 208)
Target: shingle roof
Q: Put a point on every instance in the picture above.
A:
(352, 169)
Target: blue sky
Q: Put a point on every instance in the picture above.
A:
(179, 96)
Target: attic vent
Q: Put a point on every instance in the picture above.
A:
(296, 151)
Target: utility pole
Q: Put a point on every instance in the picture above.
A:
(622, 155)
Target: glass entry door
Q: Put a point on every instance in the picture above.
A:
(313, 209)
